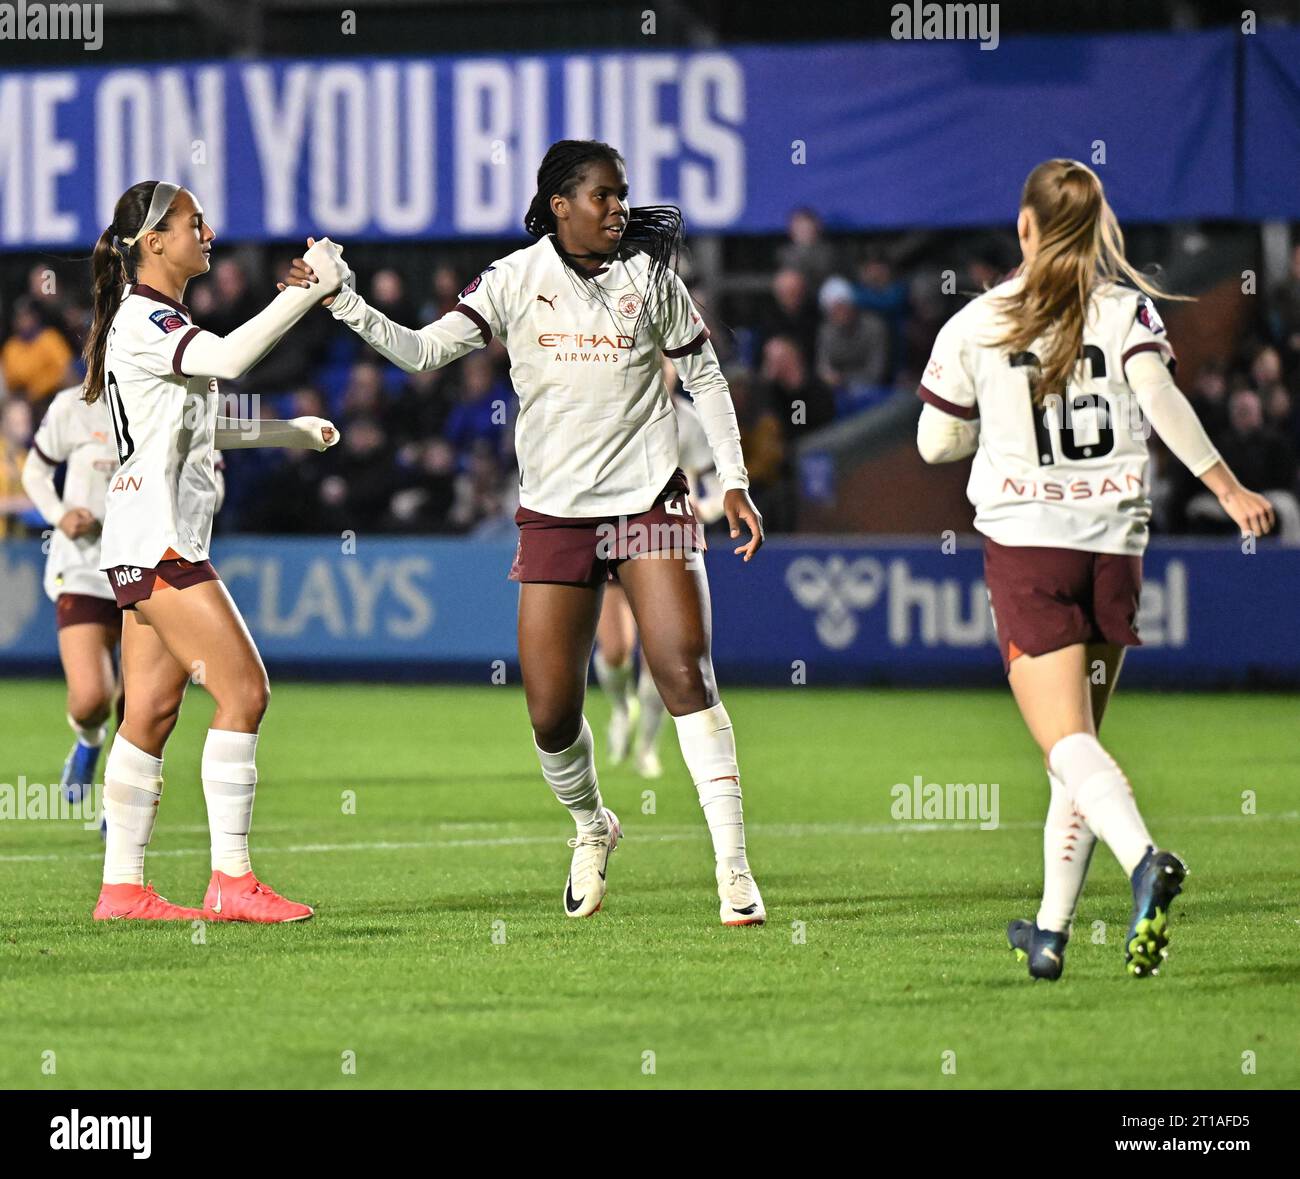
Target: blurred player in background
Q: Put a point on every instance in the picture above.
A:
(636, 717)
(586, 313)
(1042, 379)
(158, 374)
(86, 612)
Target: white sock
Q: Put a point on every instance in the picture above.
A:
(652, 709)
(571, 775)
(709, 750)
(229, 783)
(614, 680)
(1098, 790)
(132, 789)
(1067, 849)
(91, 735)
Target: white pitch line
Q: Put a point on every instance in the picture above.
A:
(671, 835)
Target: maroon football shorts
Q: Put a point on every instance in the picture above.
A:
(74, 609)
(131, 584)
(1045, 599)
(588, 550)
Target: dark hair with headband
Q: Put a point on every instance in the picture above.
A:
(654, 230)
(112, 266)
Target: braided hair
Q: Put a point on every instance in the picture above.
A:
(654, 230)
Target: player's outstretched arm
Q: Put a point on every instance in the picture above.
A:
(305, 433)
(943, 438)
(205, 354)
(1181, 431)
(700, 372)
(413, 350)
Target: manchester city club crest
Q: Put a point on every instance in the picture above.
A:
(630, 305)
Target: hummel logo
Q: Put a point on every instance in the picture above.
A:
(549, 302)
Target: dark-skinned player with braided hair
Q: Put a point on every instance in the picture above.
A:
(586, 312)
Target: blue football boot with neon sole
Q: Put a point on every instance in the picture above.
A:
(1043, 949)
(1156, 880)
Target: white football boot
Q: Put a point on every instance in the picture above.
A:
(622, 724)
(742, 904)
(645, 759)
(584, 891)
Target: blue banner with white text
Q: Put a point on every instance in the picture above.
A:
(858, 610)
(877, 134)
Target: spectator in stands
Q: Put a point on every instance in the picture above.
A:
(481, 495)
(878, 291)
(806, 250)
(388, 294)
(364, 395)
(425, 501)
(444, 293)
(852, 345)
(791, 312)
(802, 402)
(1209, 397)
(763, 442)
(15, 442)
(479, 414)
(232, 303)
(1279, 411)
(357, 494)
(36, 358)
(1258, 453)
(420, 409)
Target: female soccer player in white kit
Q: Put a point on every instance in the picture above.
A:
(158, 373)
(586, 317)
(88, 620)
(1043, 378)
(80, 435)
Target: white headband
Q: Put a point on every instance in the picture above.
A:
(163, 195)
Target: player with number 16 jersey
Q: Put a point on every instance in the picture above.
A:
(1050, 380)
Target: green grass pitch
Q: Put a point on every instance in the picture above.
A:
(439, 955)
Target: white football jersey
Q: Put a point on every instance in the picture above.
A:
(80, 435)
(165, 491)
(1073, 472)
(596, 433)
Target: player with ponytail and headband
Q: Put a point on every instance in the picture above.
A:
(586, 314)
(158, 373)
(1049, 380)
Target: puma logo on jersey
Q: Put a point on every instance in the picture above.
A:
(549, 302)
(99, 435)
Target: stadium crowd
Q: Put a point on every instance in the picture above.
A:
(839, 326)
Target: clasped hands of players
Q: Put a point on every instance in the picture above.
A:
(737, 505)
